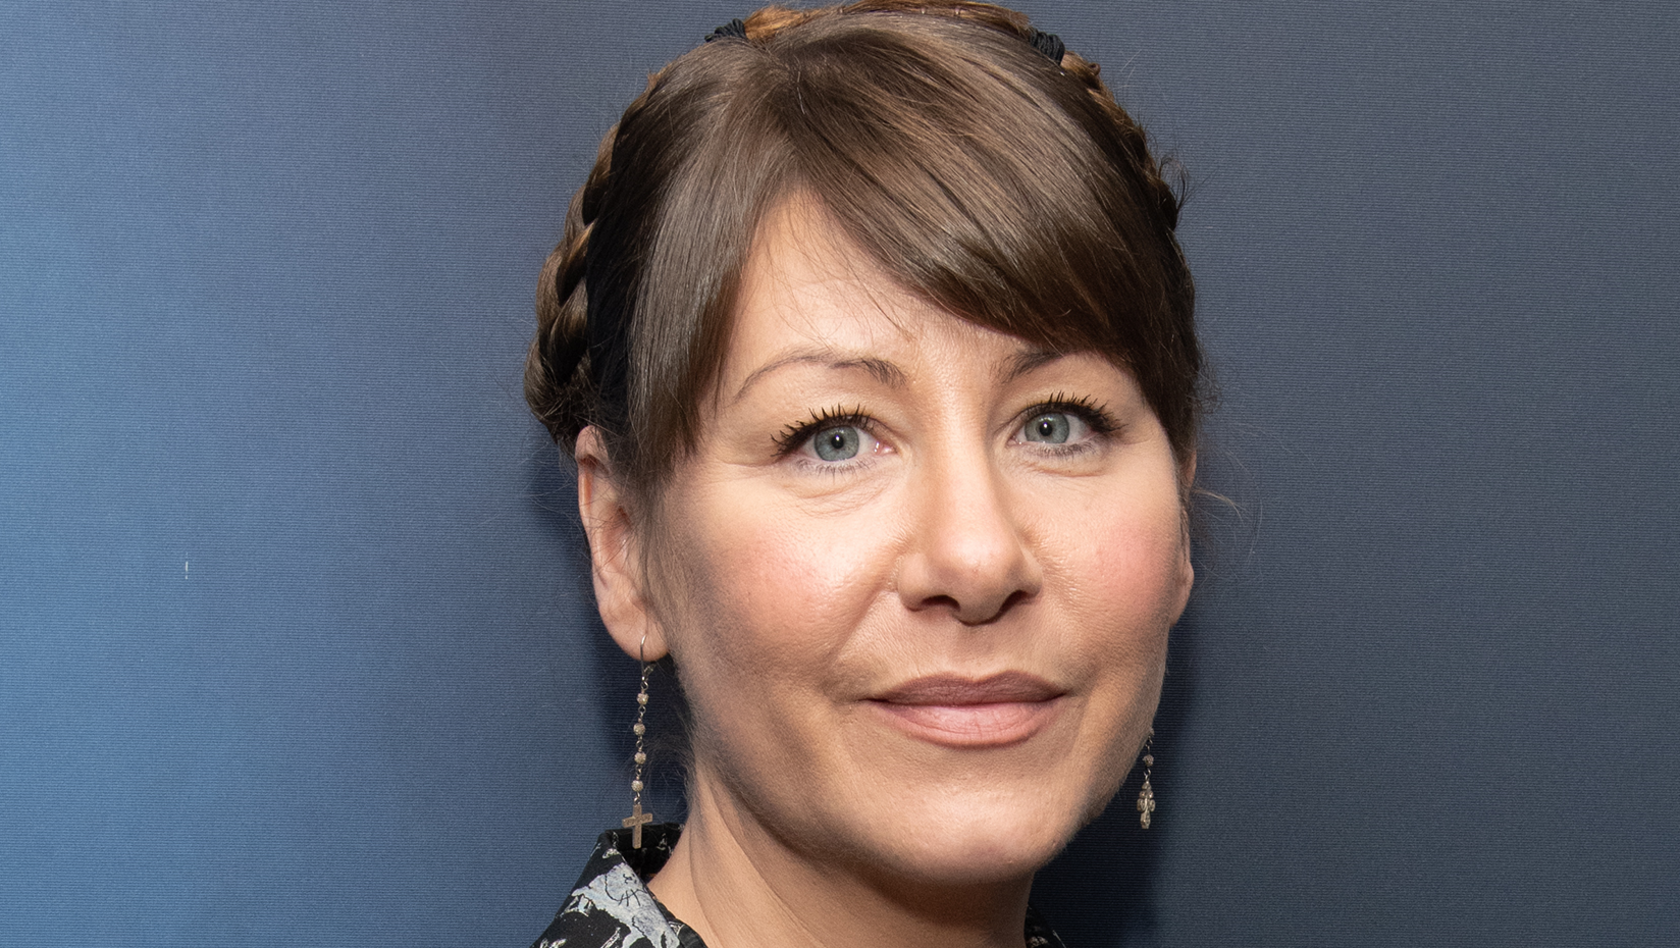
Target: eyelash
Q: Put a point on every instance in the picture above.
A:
(1089, 410)
(792, 437)
(1094, 414)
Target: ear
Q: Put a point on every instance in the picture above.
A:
(615, 555)
(1187, 572)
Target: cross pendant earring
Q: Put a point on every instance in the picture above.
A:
(637, 819)
(634, 823)
(1146, 796)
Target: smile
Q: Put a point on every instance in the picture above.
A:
(960, 712)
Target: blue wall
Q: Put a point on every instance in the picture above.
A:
(293, 648)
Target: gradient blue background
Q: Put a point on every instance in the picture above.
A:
(293, 648)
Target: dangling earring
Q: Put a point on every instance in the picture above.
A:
(1146, 796)
(637, 819)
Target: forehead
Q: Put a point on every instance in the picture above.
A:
(808, 294)
(804, 278)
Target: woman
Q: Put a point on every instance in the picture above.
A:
(873, 345)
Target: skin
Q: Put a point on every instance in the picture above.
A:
(836, 802)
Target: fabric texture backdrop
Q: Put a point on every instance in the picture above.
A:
(294, 647)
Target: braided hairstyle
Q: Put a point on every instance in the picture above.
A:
(978, 162)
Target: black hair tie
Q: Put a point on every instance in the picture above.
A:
(734, 29)
(1049, 44)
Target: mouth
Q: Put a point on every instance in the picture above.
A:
(954, 711)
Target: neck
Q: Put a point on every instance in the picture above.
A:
(739, 886)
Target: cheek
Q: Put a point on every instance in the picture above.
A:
(1121, 561)
(765, 599)
(1141, 566)
(766, 604)
(1126, 579)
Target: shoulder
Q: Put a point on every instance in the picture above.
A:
(611, 907)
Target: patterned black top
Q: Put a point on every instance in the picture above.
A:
(611, 906)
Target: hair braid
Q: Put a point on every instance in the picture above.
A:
(1167, 199)
(766, 22)
(1178, 287)
(559, 384)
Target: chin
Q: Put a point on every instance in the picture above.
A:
(986, 857)
(993, 839)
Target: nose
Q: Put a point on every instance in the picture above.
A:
(968, 551)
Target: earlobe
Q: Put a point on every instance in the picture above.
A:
(1186, 581)
(614, 554)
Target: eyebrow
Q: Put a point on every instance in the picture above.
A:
(884, 371)
(1027, 360)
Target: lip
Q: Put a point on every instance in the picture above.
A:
(955, 711)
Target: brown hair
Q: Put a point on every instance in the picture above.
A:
(1006, 188)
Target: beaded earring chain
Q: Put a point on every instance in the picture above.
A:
(637, 819)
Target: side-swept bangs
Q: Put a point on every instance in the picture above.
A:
(1002, 187)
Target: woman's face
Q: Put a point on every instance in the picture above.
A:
(917, 578)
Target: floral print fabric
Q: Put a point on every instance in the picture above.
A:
(611, 906)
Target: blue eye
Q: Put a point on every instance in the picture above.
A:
(837, 444)
(1051, 427)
